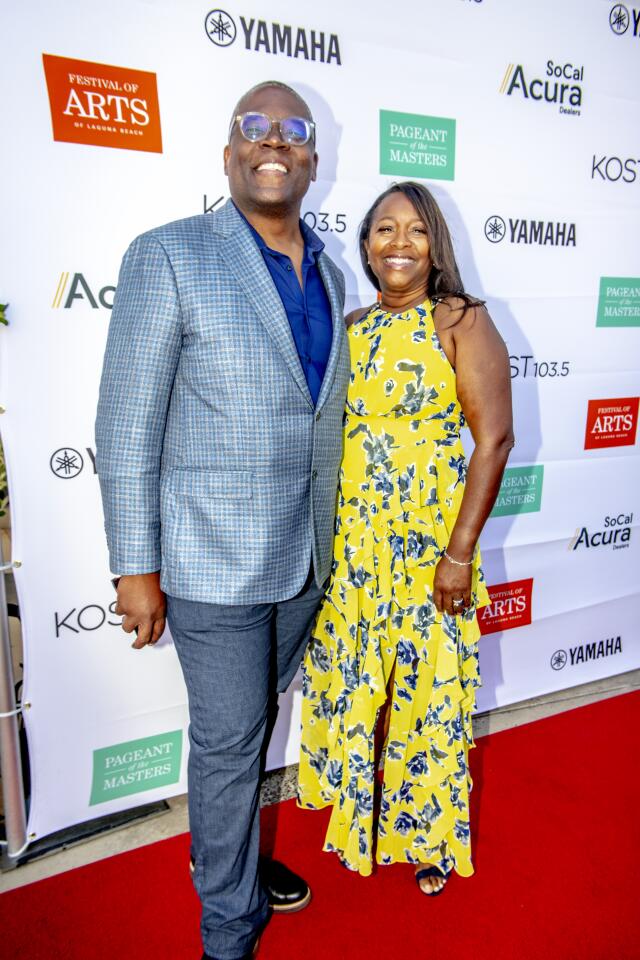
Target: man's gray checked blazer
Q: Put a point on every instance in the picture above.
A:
(214, 465)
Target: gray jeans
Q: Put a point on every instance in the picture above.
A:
(235, 660)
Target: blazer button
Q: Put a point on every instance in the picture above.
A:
(314, 474)
(318, 415)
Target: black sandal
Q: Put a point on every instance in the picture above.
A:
(430, 872)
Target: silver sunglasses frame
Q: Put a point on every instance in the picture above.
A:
(258, 113)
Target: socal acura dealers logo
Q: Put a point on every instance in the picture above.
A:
(561, 84)
(263, 36)
(551, 233)
(616, 533)
(72, 288)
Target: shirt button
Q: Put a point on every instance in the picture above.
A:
(289, 267)
(314, 474)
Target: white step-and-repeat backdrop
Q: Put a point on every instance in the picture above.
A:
(524, 119)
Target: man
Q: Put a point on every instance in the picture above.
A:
(218, 449)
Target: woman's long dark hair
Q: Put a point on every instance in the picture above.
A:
(444, 277)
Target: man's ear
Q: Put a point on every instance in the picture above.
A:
(314, 167)
(225, 157)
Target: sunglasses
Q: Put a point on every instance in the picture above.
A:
(254, 127)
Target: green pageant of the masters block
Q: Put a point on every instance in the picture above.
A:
(520, 491)
(136, 766)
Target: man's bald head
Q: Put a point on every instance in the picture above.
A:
(244, 102)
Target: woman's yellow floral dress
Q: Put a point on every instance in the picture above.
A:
(401, 484)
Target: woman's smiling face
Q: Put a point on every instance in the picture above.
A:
(398, 246)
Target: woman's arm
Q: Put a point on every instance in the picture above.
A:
(476, 349)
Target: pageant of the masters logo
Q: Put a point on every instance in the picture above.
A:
(135, 766)
(520, 491)
(103, 105)
(412, 145)
(619, 302)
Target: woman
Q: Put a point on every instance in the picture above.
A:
(396, 636)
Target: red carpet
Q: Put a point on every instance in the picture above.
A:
(556, 840)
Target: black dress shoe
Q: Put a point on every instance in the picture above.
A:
(286, 891)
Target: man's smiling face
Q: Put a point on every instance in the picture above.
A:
(269, 176)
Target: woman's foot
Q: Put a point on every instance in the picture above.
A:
(430, 879)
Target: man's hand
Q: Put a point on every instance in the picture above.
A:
(143, 605)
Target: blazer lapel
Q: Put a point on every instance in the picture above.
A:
(339, 332)
(247, 265)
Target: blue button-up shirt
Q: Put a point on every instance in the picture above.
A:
(307, 307)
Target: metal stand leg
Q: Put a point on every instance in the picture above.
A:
(10, 762)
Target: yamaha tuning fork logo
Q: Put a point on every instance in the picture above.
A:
(262, 36)
(619, 19)
(495, 229)
(220, 27)
(66, 463)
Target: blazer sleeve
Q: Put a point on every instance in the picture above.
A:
(141, 357)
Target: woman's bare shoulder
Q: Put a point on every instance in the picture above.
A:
(449, 311)
(356, 315)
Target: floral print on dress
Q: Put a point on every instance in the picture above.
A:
(401, 484)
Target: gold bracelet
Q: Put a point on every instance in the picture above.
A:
(458, 563)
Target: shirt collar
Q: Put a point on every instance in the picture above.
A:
(312, 241)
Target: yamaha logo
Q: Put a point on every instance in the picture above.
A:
(559, 660)
(66, 463)
(263, 36)
(220, 28)
(544, 233)
(495, 229)
(619, 19)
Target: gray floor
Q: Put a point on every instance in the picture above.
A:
(280, 784)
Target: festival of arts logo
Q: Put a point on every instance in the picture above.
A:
(561, 85)
(263, 36)
(135, 766)
(619, 302)
(611, 423)
(510, 606)
(520, 491)
(103, 105)
(412, 145)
